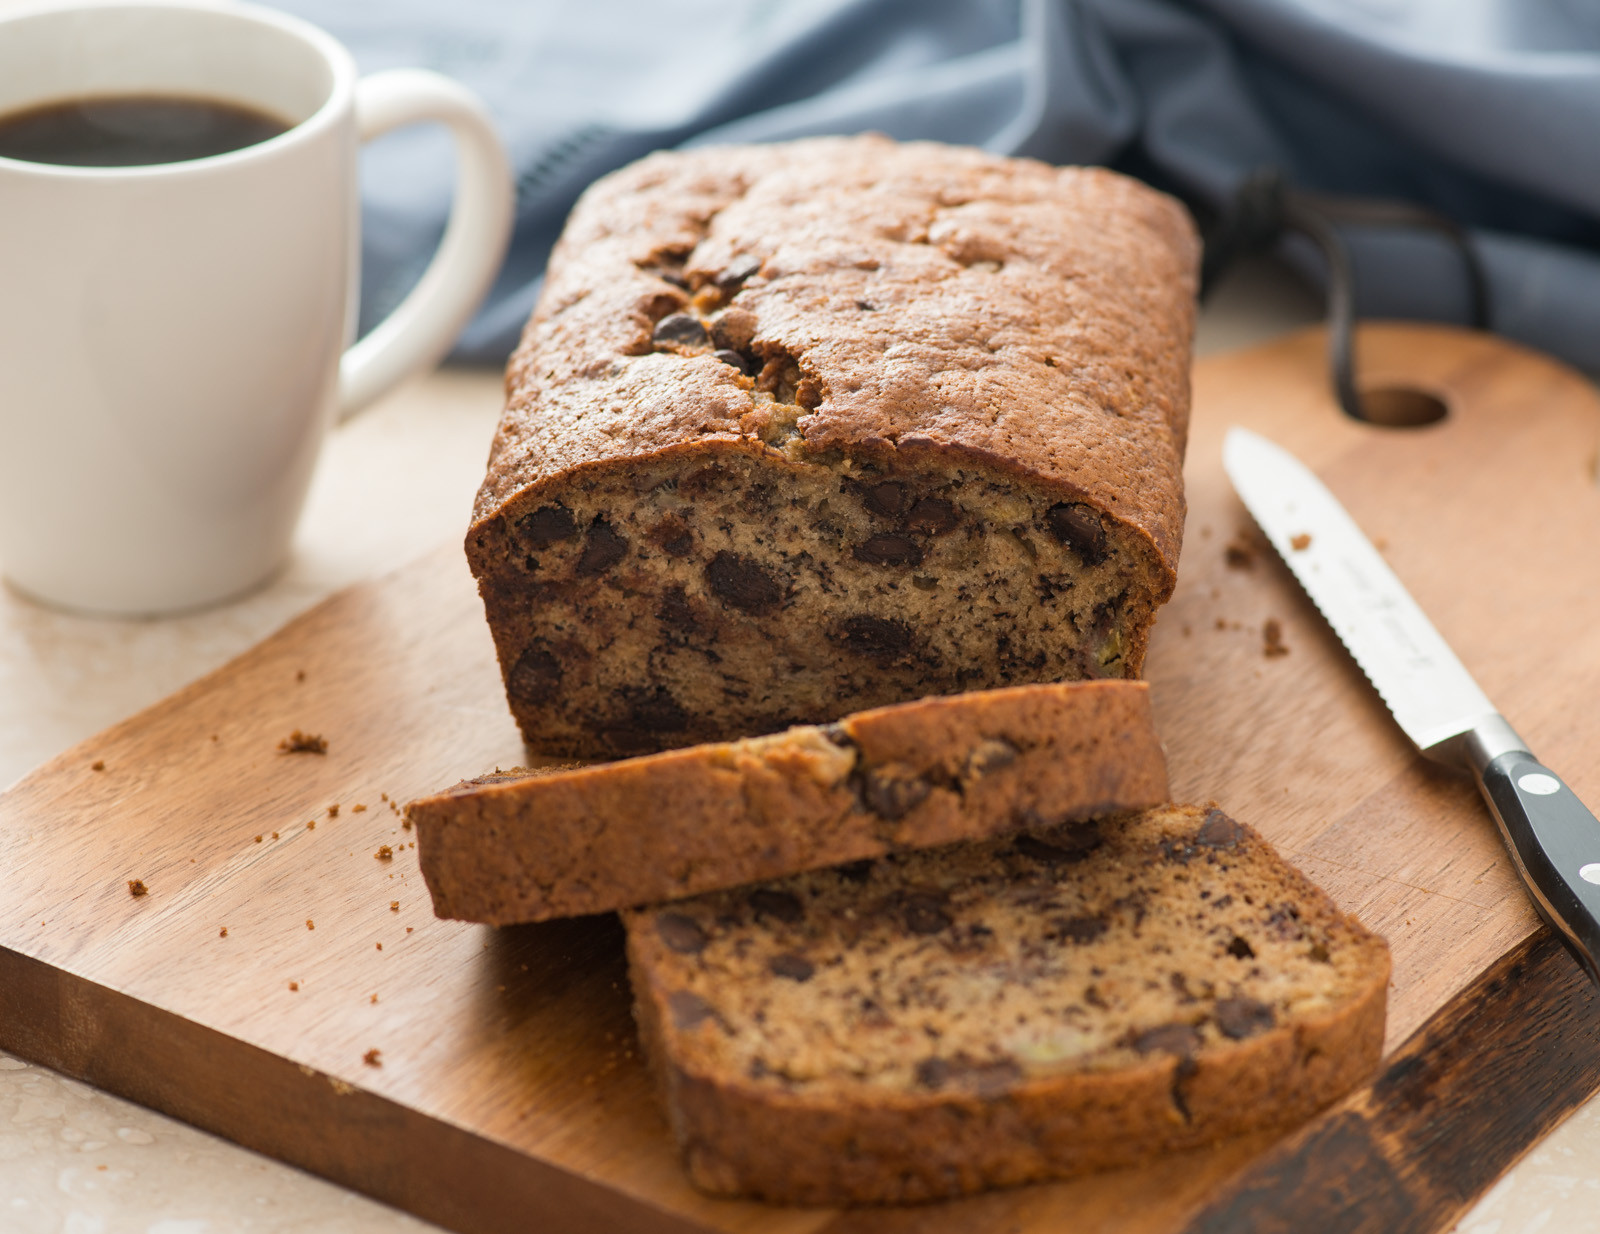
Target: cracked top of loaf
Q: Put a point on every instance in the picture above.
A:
(877, 297)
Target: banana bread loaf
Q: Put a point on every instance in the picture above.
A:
(802, 429)
(937, 1022)
(503, 848)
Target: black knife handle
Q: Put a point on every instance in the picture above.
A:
(1555, 841)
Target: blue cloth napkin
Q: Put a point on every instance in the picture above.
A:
(1488, 110)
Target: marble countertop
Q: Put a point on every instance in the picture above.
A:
(390, 485)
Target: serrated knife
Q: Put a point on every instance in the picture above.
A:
(1553, 838)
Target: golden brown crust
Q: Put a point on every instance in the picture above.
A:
(1089, 315)
(565, 842)
(865, 1128)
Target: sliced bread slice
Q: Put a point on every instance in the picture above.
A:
(939, 1022)
(505, 849)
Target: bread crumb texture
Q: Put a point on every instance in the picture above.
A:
(987, 1014)
(299, 742)
(800, 430)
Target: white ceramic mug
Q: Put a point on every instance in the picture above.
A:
(174, 338)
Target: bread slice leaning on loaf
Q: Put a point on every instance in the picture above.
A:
(808, 428)
(939, 1022)
(533, 846)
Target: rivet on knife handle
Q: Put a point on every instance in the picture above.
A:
(1553, 838)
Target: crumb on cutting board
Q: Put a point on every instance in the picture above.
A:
(1300, 542)
(99, 764)
(1272, 643)
(223, 933)
(298, 742)
(1239, 555)
(358, 808)
(384, 853)
(394, 906)
(333, 810)
(373, 1058)
(136, 888)
(294, 986)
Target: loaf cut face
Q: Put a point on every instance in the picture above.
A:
(505, 849)
(803, 429)
(993, 1013)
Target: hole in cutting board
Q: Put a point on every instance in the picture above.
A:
(1402, 406)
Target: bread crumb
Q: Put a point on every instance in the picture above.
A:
(383, 796)
(380, 946)
(223, 933)
(406, 823)
(274, 835)
(1239, 555)
(333, 810)
(1300, 542)
(409, 929)
(394, 906)
(294, 985)
(1272, 639)
(310, 925)
(258, 839)
(373, 1058)
(99, 764)
(384, 853)
(358, 808)
(136, 888)
(303, 743)
(311, 824)
(373, 999)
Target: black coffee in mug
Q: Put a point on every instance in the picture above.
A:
(132, 130)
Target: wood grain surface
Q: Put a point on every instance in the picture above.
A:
(506, 1091)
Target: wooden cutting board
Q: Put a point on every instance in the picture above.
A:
(285, 985)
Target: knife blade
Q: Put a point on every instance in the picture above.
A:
(1551, 835)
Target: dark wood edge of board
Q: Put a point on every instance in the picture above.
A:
(1485, 1078)
(296, 1114)
(1478, 1085)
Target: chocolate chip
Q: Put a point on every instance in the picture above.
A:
(672, 536)
(547, 525)
(740, 582)
(733, 330)
(689, 1009)
(534, 678)
(988, 1079)
(933, 1072)
(655, 711)
(1180, 1039)
(742, 270)
(1242, 1017)
(794, 967)
(1071, 844)
(838, 735)
(1078, 527)
(766, 902)
(602, 549)
(674, 610)
(1080, 929)
(925, 914)
(682, 329)
(889, 549)
(733, 359)
(879, 637)
(682, 934)
(887, 498)
(1218, 831)
(933, 516)
(990, 756)
(890, 796)
(1240, 949)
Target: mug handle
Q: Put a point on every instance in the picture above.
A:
(422, 327)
